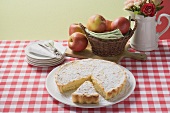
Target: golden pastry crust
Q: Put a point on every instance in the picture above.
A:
(83, 99)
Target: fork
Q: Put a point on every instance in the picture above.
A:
(58, 55)
(50, 44)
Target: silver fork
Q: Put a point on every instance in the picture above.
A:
(50, 44)
(50, 50)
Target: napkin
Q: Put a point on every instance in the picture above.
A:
(40, 51)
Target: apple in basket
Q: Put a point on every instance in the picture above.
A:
(96, 23)
(75, 27)
(108, 25)
(122, 23)
(77, 42)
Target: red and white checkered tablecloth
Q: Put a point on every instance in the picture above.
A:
(22, 86)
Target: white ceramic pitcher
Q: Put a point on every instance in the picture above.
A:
(145, 37)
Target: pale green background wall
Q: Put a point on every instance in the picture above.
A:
(50, 19)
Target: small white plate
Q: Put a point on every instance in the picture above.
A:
(57, 45)
(45, 64)
(44, 61)
(66, 97)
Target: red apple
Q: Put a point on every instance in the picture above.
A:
(75, 28)
(77, 42)
(96, 23)
(108, 25)
(122, 23)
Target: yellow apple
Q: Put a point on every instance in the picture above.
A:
(96, 23)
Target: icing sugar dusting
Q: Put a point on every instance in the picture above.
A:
(108, 74)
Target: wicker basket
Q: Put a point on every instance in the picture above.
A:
(109, 47)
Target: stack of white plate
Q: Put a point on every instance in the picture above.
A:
(44, 61)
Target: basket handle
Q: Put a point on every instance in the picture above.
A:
(83, 28)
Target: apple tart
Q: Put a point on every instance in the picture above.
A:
(108, 78)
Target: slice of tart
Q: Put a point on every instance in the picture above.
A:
(85, 94)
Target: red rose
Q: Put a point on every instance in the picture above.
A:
(148, 9)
